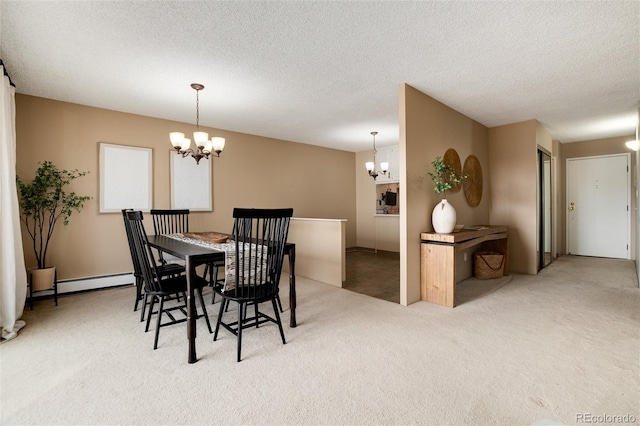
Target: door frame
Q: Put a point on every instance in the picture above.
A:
(541, 206)
(628, 193)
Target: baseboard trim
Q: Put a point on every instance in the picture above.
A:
(76, 285)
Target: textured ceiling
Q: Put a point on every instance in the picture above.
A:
(327, 73)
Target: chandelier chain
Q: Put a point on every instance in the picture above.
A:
(197, 110)
(371, 165)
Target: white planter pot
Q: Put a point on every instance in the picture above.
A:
(443, 217)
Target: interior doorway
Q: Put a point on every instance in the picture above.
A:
(598, 206)
(545, 253)
(375, 273)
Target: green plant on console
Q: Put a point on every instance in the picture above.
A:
(44, 201)
(445, 177)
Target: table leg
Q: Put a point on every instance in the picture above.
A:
(292, 286)
(191, 310)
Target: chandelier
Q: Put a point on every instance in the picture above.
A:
(203, 146)
(371, 165)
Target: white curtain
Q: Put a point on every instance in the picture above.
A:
(13, 277)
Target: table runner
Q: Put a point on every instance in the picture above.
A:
(230, 264)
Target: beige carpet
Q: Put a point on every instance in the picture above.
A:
(543, 349)
(473, 289)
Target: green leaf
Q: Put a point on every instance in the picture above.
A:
(444, 176)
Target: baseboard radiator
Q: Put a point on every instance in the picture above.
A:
(76, 285)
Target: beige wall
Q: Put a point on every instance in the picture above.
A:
(593, 148)
(320, 249)
(365, 201)
(543, 138)
(427, 129)
(512, 160)
(558, 206)
(635, 178)
(253, 171)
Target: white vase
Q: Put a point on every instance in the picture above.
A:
(443, 217)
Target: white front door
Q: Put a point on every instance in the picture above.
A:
(598, 206)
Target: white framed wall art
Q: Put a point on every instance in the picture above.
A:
(190, 183)
(126, 178)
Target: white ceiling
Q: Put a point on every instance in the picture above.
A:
(327, 73)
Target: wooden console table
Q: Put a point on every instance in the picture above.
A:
(438, 259)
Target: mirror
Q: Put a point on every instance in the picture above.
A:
(545, 255)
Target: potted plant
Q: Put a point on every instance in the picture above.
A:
(43, 202)
(445, 179)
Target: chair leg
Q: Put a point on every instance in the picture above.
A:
(138, 292)
(204, 310)
(160, 309)
(144, 307)
(279, 303)
(220, 312)
(256, 311)
(213, 281)
(153, 302)
(275, 309)
(240, 312)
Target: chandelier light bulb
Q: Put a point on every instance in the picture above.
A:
(176, 138)
(200, 138)
(218, 144)
(207, 147)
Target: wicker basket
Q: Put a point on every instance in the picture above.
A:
(488, 265)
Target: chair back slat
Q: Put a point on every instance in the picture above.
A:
(144, 256)
(170, 221)
(136, 266)
(260, 238)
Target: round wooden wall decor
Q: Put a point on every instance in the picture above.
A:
(452, 159)
(472, 185)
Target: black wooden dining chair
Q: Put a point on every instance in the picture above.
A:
(169, 221)
(165, 270)
(252, 270)
(245, 229)
(173, 221)
(157, 286)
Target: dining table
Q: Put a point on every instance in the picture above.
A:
(195, 255)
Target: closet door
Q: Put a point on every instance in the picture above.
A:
(545, 254)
